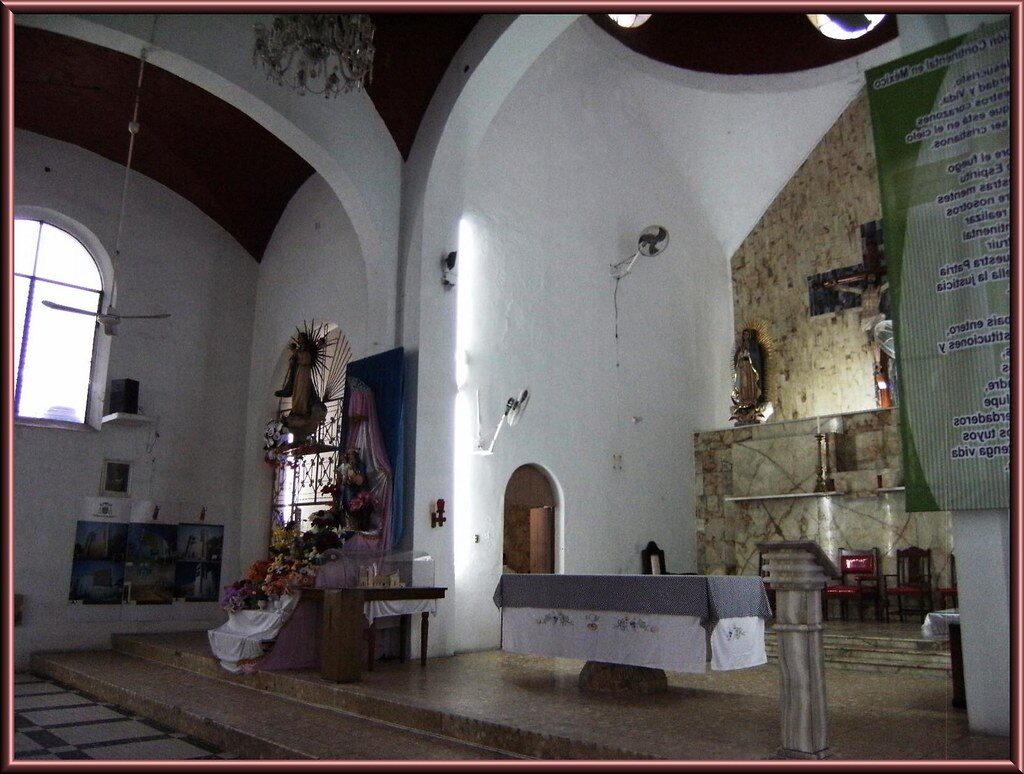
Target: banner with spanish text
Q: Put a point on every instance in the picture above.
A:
(941, 122)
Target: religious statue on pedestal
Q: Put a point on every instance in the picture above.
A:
(750, 405)
(308, 410)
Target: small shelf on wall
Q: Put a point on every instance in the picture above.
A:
(128, 420)
(789, 496)
(796, 495)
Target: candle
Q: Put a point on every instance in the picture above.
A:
(817, 421)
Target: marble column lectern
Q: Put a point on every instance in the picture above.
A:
(797, 571)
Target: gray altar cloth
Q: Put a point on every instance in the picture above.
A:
(708, 597)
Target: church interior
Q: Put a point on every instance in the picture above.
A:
(354, 401)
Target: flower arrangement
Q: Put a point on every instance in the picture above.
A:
(258, 570)
(323, 535)
(284, 573)
(362, 504)
(240, 595)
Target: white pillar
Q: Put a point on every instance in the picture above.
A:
(797, 570)
(982, 547)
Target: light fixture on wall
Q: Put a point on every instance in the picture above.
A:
(629, 20)
(845, 26)
(317, 53)
(514, 408)
(448, 274)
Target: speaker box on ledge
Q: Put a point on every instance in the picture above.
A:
(124, 396)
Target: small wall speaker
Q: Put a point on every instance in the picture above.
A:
(124, 396)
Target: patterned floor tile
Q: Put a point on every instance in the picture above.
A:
(36, 688)
(106, 732)
(83, 714)
(54, 723)
(47, 700)
(153, 749)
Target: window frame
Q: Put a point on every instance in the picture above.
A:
(100, 356)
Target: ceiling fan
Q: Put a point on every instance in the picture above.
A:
(108, 320)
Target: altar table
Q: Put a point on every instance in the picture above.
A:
(657, 621)
(343, 612)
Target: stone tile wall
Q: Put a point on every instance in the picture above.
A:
(781, 458)
(823, 364)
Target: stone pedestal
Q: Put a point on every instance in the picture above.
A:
(621, 678)
(797, 572)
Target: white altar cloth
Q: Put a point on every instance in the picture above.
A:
(673, 624)
(385, 607)
(936, 624)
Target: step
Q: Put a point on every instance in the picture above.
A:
(237, 719)
(915, 645)
(189, 653)
(904, 656)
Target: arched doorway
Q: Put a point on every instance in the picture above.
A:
(528, 542)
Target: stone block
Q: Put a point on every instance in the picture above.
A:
(622, 678)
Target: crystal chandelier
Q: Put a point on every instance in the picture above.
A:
(317, 53)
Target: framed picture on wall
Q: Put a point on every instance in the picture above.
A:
(116, 478)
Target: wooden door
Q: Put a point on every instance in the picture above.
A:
(542, 539)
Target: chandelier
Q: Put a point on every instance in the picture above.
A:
(317, 53)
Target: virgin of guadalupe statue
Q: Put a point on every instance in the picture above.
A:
(748, 397)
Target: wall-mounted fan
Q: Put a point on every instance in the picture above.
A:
(514, 409)
(653, 240)
(110, 319)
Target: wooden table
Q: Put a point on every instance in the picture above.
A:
(343, 625)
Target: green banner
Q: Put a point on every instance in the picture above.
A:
(941, 121)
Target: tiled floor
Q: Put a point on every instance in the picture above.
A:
(52, 722)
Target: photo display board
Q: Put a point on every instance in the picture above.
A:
(147, 563)
(941, 120)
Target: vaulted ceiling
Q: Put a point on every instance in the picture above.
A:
(243, 177)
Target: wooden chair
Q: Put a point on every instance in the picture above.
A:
(860, 579)
(944, 592)
(913, 580)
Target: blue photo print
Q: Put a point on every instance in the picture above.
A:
(152, 542)
(200, 542)
(101, 540)
(197, 581)
(150, 583)
(97, 582)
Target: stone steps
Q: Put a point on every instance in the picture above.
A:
(135, 673)
(240, 720)
(879, 654)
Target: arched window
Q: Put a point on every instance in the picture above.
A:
(53, 348)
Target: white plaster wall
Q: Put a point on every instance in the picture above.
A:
(593, 144)
(313, 269)
(496, 52)
(193, 373)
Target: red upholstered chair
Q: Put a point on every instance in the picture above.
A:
(860, 579)
(912, 581)
(945, 592)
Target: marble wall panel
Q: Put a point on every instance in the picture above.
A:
(780, 458)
